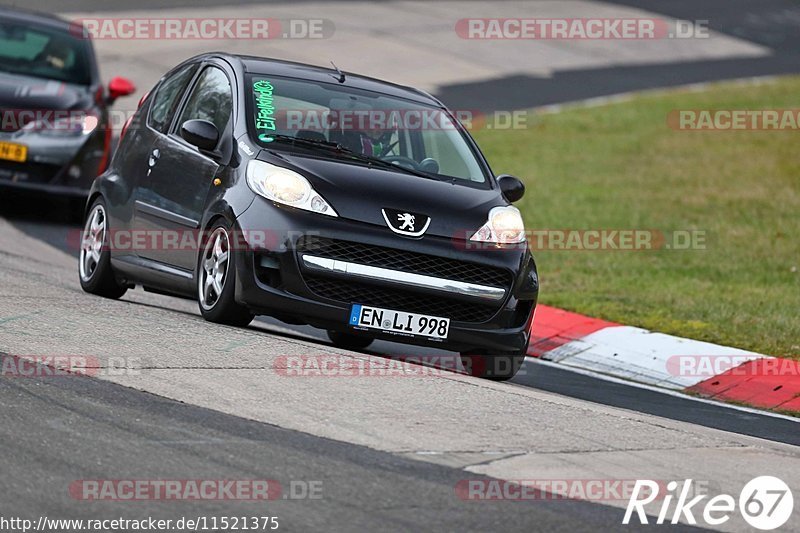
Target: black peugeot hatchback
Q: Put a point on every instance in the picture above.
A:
(264, 187)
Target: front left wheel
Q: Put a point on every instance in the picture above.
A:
(94, 267)
(216, 280)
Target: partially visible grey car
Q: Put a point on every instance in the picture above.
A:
(55, 130)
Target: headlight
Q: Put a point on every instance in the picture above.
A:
(504, 226)
(286, 187)
(74, 125)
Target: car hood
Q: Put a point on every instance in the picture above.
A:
(19, 92)
(358, 192)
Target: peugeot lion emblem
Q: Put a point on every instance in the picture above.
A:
(406, 223)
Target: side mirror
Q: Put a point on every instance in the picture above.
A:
(200, 133)
(512, 188)
(119, 87)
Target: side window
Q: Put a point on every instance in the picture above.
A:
(167, 98)
(211, 100)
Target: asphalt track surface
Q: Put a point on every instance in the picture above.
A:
(772, 23)
(90, 429)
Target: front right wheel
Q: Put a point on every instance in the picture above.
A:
(216, 280)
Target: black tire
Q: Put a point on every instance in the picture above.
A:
(348, 341)
(97, 275)
(494, 366)
(220, 308)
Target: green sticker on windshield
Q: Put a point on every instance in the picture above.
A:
(265, 115)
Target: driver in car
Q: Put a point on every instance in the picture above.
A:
(375, 141)
(54, 55)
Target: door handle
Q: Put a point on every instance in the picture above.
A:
(154, 157)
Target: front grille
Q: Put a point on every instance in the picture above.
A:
(355, 292)
(352, 291)
(417, 263)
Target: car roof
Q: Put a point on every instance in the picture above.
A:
(35, 17)
(291, 69)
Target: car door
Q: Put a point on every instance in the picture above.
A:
(180, 175)
(141, 148)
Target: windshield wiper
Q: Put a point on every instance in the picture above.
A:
(386, 164)
(306, 142)
(336, 147)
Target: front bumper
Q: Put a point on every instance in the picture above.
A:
(306, 268)
(64, 166)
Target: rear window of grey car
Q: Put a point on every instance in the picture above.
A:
(42, 52)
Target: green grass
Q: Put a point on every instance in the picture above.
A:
(620, 166)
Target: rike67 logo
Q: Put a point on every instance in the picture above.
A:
(766, 503)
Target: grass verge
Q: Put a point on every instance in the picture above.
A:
(621, 166)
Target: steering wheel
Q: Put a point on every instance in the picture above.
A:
(402, 161)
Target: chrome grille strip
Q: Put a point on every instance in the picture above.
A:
(408, 279)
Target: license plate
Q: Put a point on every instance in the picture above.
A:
(13, 152)
(399, 322)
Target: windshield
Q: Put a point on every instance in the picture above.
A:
(420, 138)
(43, 53)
